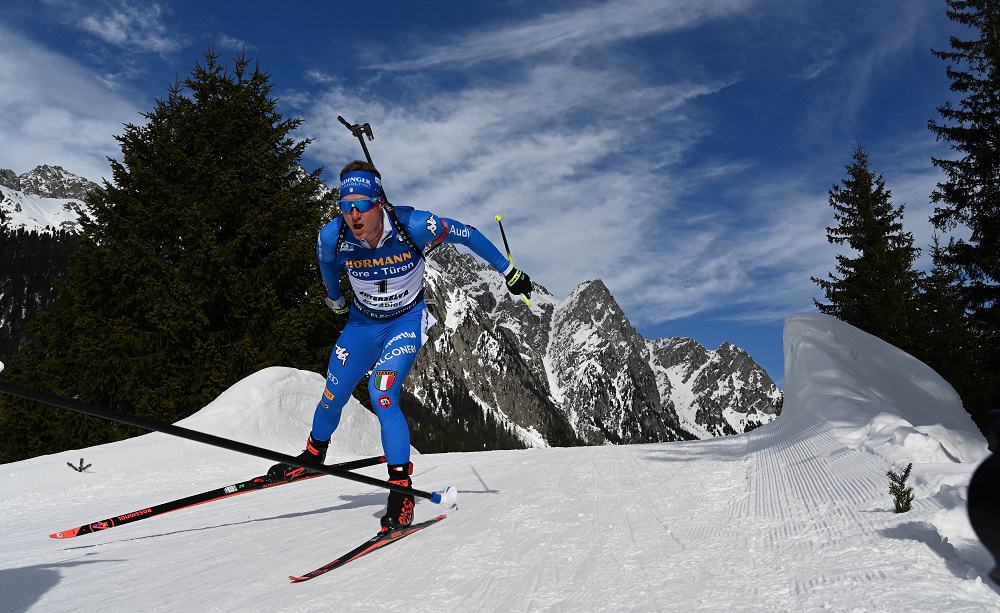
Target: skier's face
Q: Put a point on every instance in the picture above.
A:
(366, 226)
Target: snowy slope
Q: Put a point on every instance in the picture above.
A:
(792, 516)
(38, 213)
(42, 199)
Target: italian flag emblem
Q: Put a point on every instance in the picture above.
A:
(384, 379)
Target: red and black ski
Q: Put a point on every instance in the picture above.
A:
(228, 491)
(378, 541)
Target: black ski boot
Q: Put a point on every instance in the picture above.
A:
(399, 509)
(315, 451)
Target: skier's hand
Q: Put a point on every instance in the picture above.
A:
(339, 306)
(518, 282)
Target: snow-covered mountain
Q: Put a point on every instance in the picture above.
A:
(793, 516)
(575, 370)
(42, 199)
(716, 393)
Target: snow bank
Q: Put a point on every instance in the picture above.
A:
(274, 407)
(878, 400)
(873, 396)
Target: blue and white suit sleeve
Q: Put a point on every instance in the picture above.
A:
(326, 242)
(426, 227)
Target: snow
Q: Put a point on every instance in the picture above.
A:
(793, 516)
(684, 398)
(33, 212)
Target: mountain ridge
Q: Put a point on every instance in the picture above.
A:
(589, 369)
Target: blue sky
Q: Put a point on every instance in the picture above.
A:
(680, 150)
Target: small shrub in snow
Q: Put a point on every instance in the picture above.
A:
(901, 495)
(79, 468)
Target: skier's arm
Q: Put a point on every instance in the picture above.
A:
(429, 228)
(426, 228)
(326, 242)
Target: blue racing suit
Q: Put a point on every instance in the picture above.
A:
(388, 321)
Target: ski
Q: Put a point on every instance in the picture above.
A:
(378, 541)
(228, 491)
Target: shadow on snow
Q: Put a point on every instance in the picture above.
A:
(23, 587)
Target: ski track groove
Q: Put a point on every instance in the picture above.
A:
(543, 549)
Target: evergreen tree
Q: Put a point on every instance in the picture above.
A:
(970, 194)
(196, 267)
(902, 496)
(876, 291)
(946, 342)
(30, 264)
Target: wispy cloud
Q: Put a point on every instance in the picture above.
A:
(856, 62)
(131, 26)
(54, 110)
(318, 77)
(234, 44)
(815, 69)
(569, 31)
(755, 259)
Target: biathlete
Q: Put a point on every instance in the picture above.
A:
(388, 320)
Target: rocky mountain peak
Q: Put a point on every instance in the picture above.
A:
(54, 182)
(9, 179)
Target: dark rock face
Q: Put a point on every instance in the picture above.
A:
(473, 364)
(9, 179)
(601, 366)
(54, 182)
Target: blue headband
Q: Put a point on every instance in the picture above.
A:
(360, 182)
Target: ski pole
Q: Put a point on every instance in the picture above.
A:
(499, 219)
(447, 497)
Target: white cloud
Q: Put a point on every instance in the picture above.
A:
(234, 44)
(131, 26)
(319, 77)
(757, 257)
(569, 31)
(815, 69)
(55, 111)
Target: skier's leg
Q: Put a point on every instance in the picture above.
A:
(403, 340)
(353, 353)
(351, 357)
